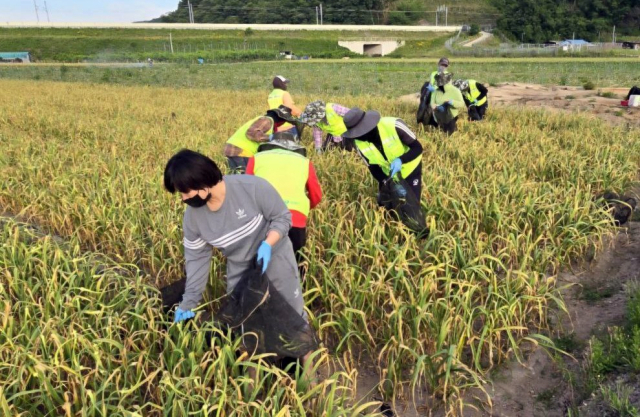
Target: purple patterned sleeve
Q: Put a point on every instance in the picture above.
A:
(317, 137)
(341, 110)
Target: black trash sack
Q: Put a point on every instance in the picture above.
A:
(424, 109)
(620, 206)
(397, 196)
(268, 322)
(444, 117)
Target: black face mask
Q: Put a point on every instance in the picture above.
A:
(197, 201)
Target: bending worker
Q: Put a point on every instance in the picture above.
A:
(326, 118)
(387, 145)
(279, 96)
(425, 115)
(244, 143)
(241, 216)
(282, 162)
(475, 97)
(446, 103)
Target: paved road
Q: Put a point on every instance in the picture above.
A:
(483, 37)
(224, 26)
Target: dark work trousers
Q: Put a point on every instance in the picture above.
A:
(414, 180)
(477, 113)
(298, 237)
(237, 164)
(634, 91)
(450, 127)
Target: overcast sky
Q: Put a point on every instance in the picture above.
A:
(101, 11)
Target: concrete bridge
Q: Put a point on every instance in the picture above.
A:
(372, 47)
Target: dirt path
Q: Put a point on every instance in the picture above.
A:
(483, 37)
(537, 387)
(603, 103)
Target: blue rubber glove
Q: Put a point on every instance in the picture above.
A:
(440, 108)
(182, 315)
(475, 102)
(431, 88)
(264, 255)
(270, 137)
(396, 165)
(450, 102)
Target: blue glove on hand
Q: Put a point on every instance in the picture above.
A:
(474, 102)
(264, 255)
(270, 137)
(450, 102)
(431, 88)
(396, 165)
(182, 315)
(440, 108)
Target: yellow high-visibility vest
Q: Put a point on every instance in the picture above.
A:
(474, 93)
(288, 172)
(276, 100)
(240, 139)
(393, 148)
(335, 124)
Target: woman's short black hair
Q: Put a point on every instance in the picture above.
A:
(189, 170)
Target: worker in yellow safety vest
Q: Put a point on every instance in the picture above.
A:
(283, 163)
(244, 143)
(388, 147)
(279, 96)
(326, 118)
(475, 97)
(425, 114)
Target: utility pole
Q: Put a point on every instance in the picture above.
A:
(190, 11)
(317, 18)
(446, 16)
(321, 14)
(46, 9)
(36, 7)
(171, 42)
(613, 37)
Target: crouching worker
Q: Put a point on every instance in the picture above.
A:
(244, 143)
(388, 147)
(446, 102)
(326, 118)
(241, 216)
(283, 163)
(475, 97)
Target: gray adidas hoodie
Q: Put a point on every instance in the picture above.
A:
(251, 209)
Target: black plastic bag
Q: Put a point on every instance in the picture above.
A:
(620, 206)
(424, 113)
(266, 320)
(397, 196)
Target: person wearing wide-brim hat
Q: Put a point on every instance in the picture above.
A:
(325, 118)
(446, 103)
(244, 143)
(279, 96)
(387, 145)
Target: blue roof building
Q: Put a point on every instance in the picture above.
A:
(15, 57)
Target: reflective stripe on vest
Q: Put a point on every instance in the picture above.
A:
(474, 93)
(335, 124)
(288, 172)
(393, 148)
(275, 100)
(239, 139)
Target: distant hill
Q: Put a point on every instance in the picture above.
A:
(523, 20)
(398, 12)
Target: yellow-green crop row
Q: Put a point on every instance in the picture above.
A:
(509, 200)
